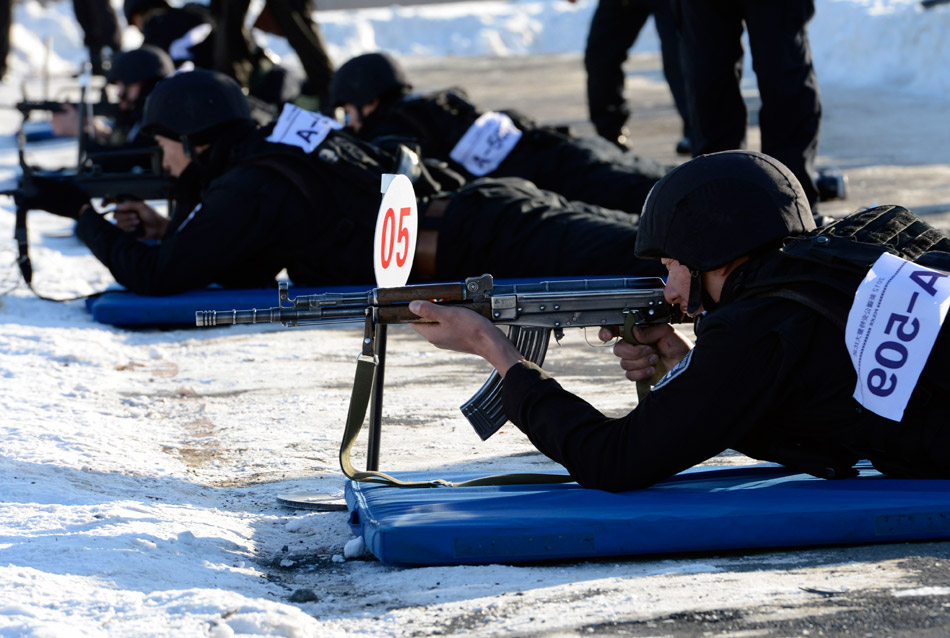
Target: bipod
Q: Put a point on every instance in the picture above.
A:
(374, 344)
(371, 375)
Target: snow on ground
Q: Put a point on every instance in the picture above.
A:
(139, 469)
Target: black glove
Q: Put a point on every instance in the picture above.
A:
(57, 196)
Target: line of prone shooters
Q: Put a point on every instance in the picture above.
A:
(775, 371)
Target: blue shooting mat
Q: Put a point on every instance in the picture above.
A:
(126, 309)
(702, 509)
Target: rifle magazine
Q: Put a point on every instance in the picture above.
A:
(485, 410)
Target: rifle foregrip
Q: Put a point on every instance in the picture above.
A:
(485, 410)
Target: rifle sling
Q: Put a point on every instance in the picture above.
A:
(23, 245)
(359, 401)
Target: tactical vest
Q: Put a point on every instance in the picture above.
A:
(340, 179)
(822, 270)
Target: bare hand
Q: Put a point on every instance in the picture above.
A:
(65, 123)
(659, 345)
(136, 216)
(463, 330)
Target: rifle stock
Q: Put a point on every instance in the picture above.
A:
(532, 311)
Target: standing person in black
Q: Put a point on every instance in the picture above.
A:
(444, 125)
(614, 29)
(788, 364)
(101, 31)
(790, 115)
(6, 21)
(304, 196)
(193, 34)
(292, 19)
(97, 19)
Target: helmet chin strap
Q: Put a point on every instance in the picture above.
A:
(187, 147)
(696, 293)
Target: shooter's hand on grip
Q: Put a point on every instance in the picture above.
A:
(659, 347)
(134, 216)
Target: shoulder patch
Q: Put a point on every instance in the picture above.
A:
(677, 370)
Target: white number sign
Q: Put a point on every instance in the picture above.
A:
(397, 226)
(892, 326)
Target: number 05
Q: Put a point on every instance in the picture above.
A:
(391, 235)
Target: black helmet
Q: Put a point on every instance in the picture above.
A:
(366, 77)
(134, 7)
(716, 208)
(148, 63)
(194, 104)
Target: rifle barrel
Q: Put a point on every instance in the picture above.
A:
(286, 316)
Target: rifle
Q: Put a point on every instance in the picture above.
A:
(26, 107)
(532, 311)
(115, 186)
(143, 185)
(95, 183)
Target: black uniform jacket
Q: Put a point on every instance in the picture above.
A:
(248, 223)
(768, 377)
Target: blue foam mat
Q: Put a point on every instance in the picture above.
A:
(126, 309)
(702, 509)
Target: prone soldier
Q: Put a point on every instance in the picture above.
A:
(134, 73)
(790, 364)
(376, 95)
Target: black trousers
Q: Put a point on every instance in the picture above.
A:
(587, 169)
(97, 19)
(510, 228)
(613, 30)
(294, 17)
(790, 115)
(6, 20)
(99, 23)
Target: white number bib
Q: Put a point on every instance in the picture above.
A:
(297, 127)
(892, 326)
(486, 143)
